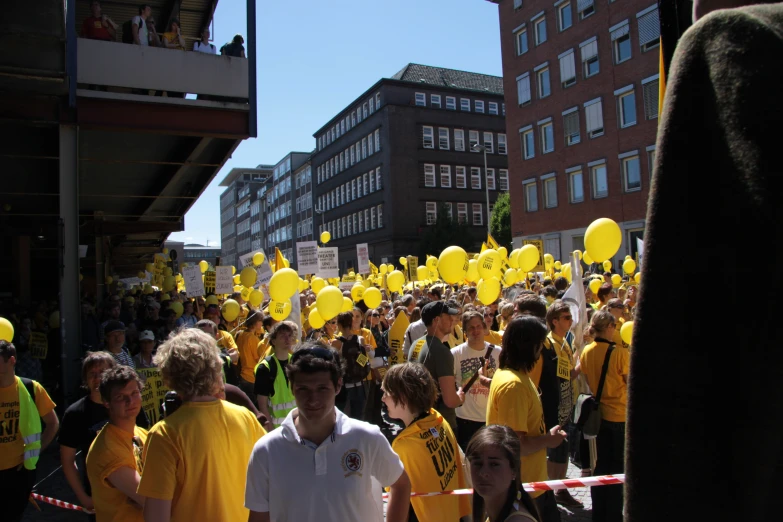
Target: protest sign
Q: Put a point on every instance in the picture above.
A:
(224, 281)
(328, 263)
(153, 393)
(194, 285)
(307, 257)
(363, 258)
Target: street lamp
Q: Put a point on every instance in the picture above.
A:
(320, 212)
(482, 148)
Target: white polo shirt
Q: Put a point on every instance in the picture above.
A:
(296, 481)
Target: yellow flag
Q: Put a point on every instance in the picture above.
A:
(484, 247)
(396, 338)
(373, 269)
(662, 82)
(279, 263)
(492, 243)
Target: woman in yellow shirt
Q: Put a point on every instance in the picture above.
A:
(249, 352)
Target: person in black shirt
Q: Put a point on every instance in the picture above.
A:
(235, 48)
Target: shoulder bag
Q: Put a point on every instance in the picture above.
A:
(587, 414)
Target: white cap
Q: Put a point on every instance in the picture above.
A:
(146, 335)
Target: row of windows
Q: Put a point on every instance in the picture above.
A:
(356, 223)
(243, 245)
(255, 208)
(227, 199)
(630, 165)
(243, 226)
(279, 235)
(227, 214)
(227, 246)
(420, 99)
(304, 177)
(304, 228)
(594, 119)
(358, 187)
(279, 190)
(243, 209)
(445, 137)
(367, 146)
(228, 229)
(351, 120)
(199, 254)
(431, 212)
(255, 228)
(460, 177)
(256, 245)
(281, 211)
(304, 202)
(282, 169)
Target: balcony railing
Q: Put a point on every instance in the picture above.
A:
(123, 67)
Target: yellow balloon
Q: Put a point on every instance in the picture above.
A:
(566, 271)
(279, 310)
(607, 265)
(325, 237)
(602, 239)
(230, 310)
(256, 297)
(488, 290)
(347, 305)
(329, 302)
(203, 265)
(357, 292)
(527, 258)
(317, 284)
(594, 285)
(149, 267)
(233, 270)
(237, 280)
(432, 263)
(286, 264)
(283, 284)
(169, 282)
(513, 258)
(503, 251)
(472, 275)
(549, 259)
(178, 308)
(109, 280)
(587, 259)
(167, 271)
(211, 300)
(372, 297)
(626, 332)
(510, 277)
(141, 275)
(165, 251)
(6, 330)
(238, 288)
(638, 277)
(403, 261)
(629, 266)
(628, 257)
(382, 269)
(616, 280)
(453, 264)
(258, 258)
(395, 280)
(248, 277)
(245, 293)
(557, 274)
(422, 273)
(315, 319)
(489, 264)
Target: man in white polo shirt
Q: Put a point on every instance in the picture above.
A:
(340, 462)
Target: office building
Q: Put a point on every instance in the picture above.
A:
(279, 218)
(239, 206)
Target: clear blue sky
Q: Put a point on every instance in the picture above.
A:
(315, 57)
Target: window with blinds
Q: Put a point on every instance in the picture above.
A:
(594, 118)
(585, 8)
(589, 51)
(650, 94)
(567, 69)
(445, 176)
(523, 89)
(571, 127)
(429, 175)
(620, 35)
(432, 212)
(649, 28)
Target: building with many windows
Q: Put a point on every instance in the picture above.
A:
(582, 78)
(282, 209)
(387, 163)
(239, 205)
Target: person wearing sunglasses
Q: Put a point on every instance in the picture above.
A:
(616, 307)
(335, 457)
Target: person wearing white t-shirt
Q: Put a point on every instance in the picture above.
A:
(341, 463)
(471, 416)
(203, 45)
(141, 34)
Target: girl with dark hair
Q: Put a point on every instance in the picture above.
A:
(494, 454)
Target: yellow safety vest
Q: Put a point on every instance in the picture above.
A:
(29, 426)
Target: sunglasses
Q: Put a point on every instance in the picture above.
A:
(319, 353)
(332, 322)
(376, 315)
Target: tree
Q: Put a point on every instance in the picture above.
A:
(500, 222)
(445, 232)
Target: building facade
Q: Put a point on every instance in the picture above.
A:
(582, 84)
(239, 205)
(280, 217)
(386, 164)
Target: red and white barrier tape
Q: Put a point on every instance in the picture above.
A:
(549, 485)
(58, 503)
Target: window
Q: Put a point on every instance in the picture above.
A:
(626, 107)
(435, 100)
(372, 105)
(520, 39)
(380, 215)
(590, 65)
(571, 126)
(544, 88)
(531, 196)
(365, 184)
(462, 212)
(478, 214)
(650, 95)
(364, 148)
(429, 137)
(370, 147)
(547, 137)
(350, 224)
(649, 28)
(377, 140)
(372, 217)
(502, 148)
(443, 138)
(517, 4)
(445, 176)
(523, 89)
(621, 41)
(421, 99)
(451, 103)
(567, 69)
(358, 152)
(489, 143)
(503, 180)
(651, 160)
(432, 212)
(461, 178)
(475, 178)
(378, 178)
(372, 182)
(459, 139)
(550, 192)
(358, 115)
(360, 215)
(378, 100)
(594, 118)
(564, 19)
(491, 179)
(585, 8)
(575, 186)
(353, 119)
(464, 104)
(539, 27)
(473, 139)
(632, 174)
(479, 106)
(447, 206)
(353, 189)
(493, 108)
(528, 144)
(600, 183)
(429, 175)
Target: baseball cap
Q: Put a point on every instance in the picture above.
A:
(434, 309)
(153, 304)
(113, 326)
(146, 335)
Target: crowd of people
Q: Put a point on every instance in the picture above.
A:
(482, 395)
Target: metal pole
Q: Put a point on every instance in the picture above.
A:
(486, 186)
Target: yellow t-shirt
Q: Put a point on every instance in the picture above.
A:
(11, 443)
(614, 397)
(227, 341)
(112, 449)
(495, 338)
(431, 457)
(249, 354)
(514, 402)
(198, 460)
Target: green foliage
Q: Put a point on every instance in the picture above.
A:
(500, 222)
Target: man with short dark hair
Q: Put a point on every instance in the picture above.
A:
(114, 336)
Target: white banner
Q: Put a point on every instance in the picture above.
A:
(263, 272)
(346, 285)
(307, 257)
(224, 280)
(328, 263)
(363, 258)
(194, 285)
(296, 312)
(640, 249)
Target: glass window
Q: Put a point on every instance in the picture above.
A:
(421, 99)
(632, 174)
(503, 180)
(502, 148)
(489, 143)
(464, 104)
(493, 108)
(550, 193)
(547, 138)
(627, 109)
(443, 138)
(531, 197)
(520, 39)
(528, 145)
(462, 212)
(451, 103)
(445, 176)
(435, 100)
(479, 106)
(478, 214)
(473, 139)
(571, 128)
(540, 30)
(429, 175)
(523, 89)
(622, 49)
(429, 137)
(600, 183)
(576, 187)
(432, 212)
(564, 16)
(544, 88)
(459, 139)
(461, 178)
(475, 178)
(491, 179)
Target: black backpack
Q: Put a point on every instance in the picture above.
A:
(353, 372)
(28, 383)
(127, 30)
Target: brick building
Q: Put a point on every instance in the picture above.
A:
(385, 163)
(582, 105)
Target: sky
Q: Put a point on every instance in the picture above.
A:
(315, 57)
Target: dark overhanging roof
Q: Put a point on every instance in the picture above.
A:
(442, 77)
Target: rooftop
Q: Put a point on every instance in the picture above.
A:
(440, 77)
